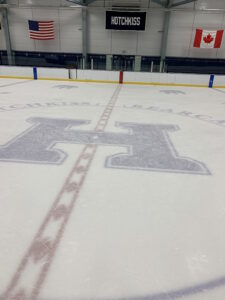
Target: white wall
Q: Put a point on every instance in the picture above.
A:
(68, 32)
(184, 23)
(18, 27)
(68, 29)
(99, 39)
(149, 41)
(207, 21)
(123, 42)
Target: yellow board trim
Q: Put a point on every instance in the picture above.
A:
(127, 82)
(115, 82)
(79, 80)
(219, 87)
(166, 84)
(17, 77)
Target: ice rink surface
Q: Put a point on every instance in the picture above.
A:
(111, 192)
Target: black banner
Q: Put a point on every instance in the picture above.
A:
(119, 20)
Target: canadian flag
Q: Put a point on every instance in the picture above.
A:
(208, 39)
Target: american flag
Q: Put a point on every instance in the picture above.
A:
(41, 30)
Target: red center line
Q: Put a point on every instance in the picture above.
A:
(39, 257)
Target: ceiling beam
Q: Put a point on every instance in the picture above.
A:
(160, 2)
(81, 2)
(182, 3)
(3, 4)
(78, 2)
(89, 1)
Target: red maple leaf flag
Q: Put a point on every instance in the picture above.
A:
(208, 39)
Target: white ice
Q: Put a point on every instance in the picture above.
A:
(131, 234)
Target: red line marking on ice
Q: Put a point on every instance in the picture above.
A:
(41, 252)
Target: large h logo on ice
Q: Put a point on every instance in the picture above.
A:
(148, 146)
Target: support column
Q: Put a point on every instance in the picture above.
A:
(164, 40)
(137, 63)
(109, 62)
(84, 35)
(5, 24)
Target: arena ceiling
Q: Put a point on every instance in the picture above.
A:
(202, 5)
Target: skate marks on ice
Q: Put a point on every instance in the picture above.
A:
(16, 83)
(65, 87)
(173, 92)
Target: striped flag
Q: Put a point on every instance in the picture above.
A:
(208, 39)
(41, 30)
